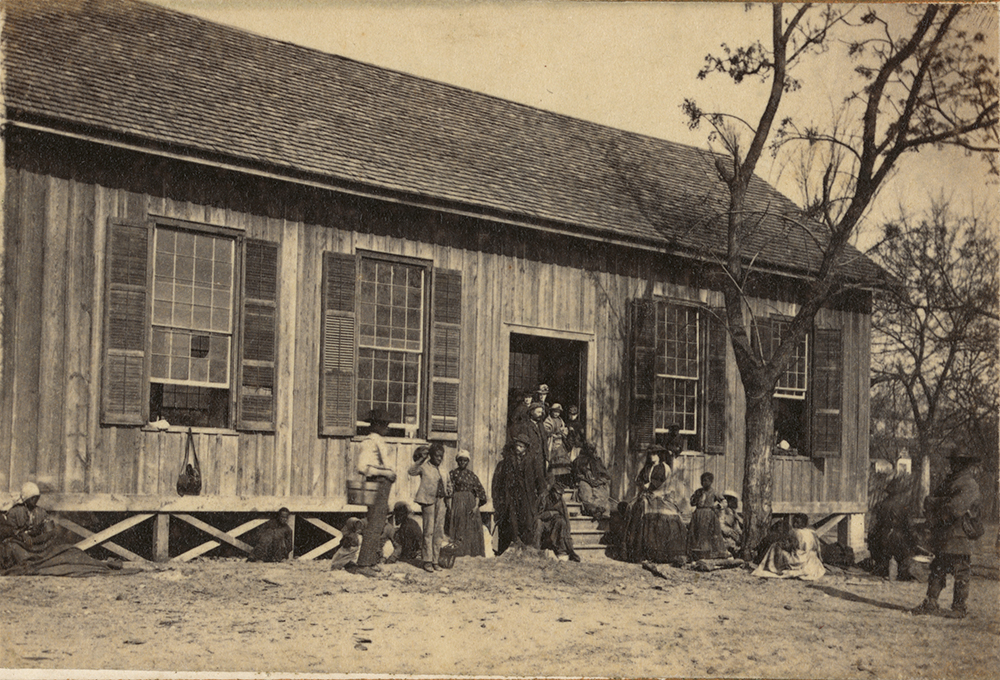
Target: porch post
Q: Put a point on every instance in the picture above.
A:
(851, 535)
(161, 537)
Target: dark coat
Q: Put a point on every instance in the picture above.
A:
(537, 440)
(957, 495)
(518, 486)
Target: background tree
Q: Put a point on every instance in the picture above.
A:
(928, 79)
(935, 333)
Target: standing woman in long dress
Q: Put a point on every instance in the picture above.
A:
(655, 532)
(465, 524)
(705, 531)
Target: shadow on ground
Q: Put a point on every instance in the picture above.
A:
(853, 597)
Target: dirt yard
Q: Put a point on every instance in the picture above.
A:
(521, 614)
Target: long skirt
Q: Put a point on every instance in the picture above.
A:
(705, 536)
(593, 498)
(465, 525)
(655, 532)
(56, 559)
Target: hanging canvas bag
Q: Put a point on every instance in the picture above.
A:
(189, 480)
(972, 525)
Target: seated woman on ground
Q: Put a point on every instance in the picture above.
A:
(796, 555)
(33, 546)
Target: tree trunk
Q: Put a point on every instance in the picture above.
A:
(757, 477)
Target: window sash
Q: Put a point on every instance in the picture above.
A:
(194, 283)
(794, 381)
(679, 358)
(392, 337)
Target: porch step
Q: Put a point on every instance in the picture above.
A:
(587, 532)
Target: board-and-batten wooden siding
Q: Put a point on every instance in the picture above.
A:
(50, 422)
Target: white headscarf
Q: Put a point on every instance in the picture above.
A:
(29, 490)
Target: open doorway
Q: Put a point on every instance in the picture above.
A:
(560, 364)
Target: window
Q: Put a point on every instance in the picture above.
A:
(391, 340)
(808, 395)
(192, 328)
(790, 424)
(679, 374)
(180, 298)
(391, 331)
(678, 369)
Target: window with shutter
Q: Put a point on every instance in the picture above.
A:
(127, 288)
(446, 353)
(337, 386)
(391, 340)
(668, 364)
(828, 365)
(173, 301)
(257, 368)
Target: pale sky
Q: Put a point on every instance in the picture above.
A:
(627, 65)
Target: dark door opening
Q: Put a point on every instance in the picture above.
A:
(560, 364)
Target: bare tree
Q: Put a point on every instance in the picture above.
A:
(936, 328)
(929, 80)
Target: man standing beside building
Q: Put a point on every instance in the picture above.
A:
(373, 467)
(953, 511)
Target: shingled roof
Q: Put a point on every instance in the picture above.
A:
(119, 67)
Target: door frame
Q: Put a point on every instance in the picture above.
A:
(586, 371)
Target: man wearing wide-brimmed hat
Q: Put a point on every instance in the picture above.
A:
(373, 466)
(956, 499)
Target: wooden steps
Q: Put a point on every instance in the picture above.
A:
(587, 532)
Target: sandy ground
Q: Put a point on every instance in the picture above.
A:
(521, 614)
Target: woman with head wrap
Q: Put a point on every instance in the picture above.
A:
(655, 532)
(36, 549)
(465, 524)
(26, 516)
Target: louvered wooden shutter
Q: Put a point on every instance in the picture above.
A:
(260, 316)
(643, 320)
(715, 382)
(125, 392)
(828, 368)
(446, 349)
(339, 347)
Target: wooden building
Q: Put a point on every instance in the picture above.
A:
(257, 242)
